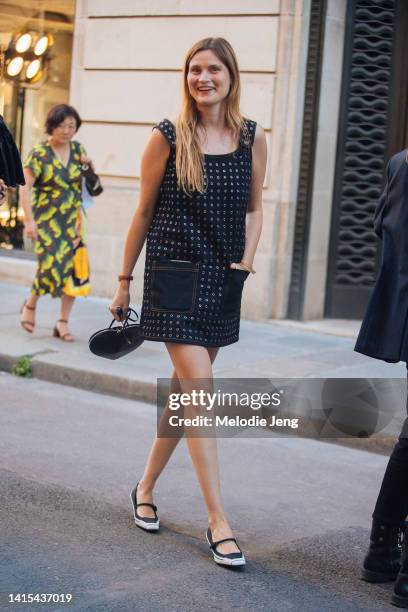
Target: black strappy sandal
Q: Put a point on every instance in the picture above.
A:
(230, 559)
(28, 326)
(144, 522)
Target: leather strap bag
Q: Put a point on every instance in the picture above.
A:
(117, 340)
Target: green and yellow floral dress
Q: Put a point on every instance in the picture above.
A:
(56, 205)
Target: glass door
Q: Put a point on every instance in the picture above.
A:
(35, 52)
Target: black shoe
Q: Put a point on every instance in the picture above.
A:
(383, 559)
(231, 559)
(400, 596)
(146, 523)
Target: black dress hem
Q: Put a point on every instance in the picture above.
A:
(178, 341)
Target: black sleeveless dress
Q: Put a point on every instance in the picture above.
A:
(191, 295)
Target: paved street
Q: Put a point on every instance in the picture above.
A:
(300, 508)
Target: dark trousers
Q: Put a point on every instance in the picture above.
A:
(392, 502)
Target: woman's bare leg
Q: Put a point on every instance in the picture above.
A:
(27, 313)
(161, 451)
(67, 302)
(193, 362)
(32, 300)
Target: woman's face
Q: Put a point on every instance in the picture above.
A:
(65, 130)
(208, 79)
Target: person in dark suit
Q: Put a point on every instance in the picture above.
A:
(384, 335)
(11, 171)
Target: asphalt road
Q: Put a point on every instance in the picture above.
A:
(300, 509)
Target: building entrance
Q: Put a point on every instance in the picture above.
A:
(35, 66)
(373, 125)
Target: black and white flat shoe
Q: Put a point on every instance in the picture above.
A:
(231, 559)
(146, 523)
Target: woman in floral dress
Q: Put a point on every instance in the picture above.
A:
(51, 201)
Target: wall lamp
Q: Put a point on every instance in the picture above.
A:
(26, 55)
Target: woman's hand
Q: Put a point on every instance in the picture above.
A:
(31, 229)
(237, 266)
(121, 299)
(242, 266)
(84, 159)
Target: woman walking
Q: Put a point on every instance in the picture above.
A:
(200, 207)
(51, 200)
(384, 335)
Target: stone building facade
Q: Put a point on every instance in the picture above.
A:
(326, 80)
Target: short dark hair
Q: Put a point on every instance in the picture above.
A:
(57, 114)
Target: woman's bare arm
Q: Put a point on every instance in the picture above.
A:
(254, 208)
(153, 166)
(25, 201)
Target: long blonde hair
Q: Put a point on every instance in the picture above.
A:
(189, 158)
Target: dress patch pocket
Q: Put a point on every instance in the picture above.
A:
(233, 287)
(174, 285)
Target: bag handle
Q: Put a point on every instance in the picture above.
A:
(126, 322)
(130, 313)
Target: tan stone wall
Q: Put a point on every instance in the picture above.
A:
(126, 77)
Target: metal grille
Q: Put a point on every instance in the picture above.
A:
(363, 140)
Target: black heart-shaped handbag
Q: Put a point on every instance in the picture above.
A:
(119, 340)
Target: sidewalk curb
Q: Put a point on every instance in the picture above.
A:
(7, 362)
(98, 382)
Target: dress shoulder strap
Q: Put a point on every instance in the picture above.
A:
(168, 130)
(251, 129)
